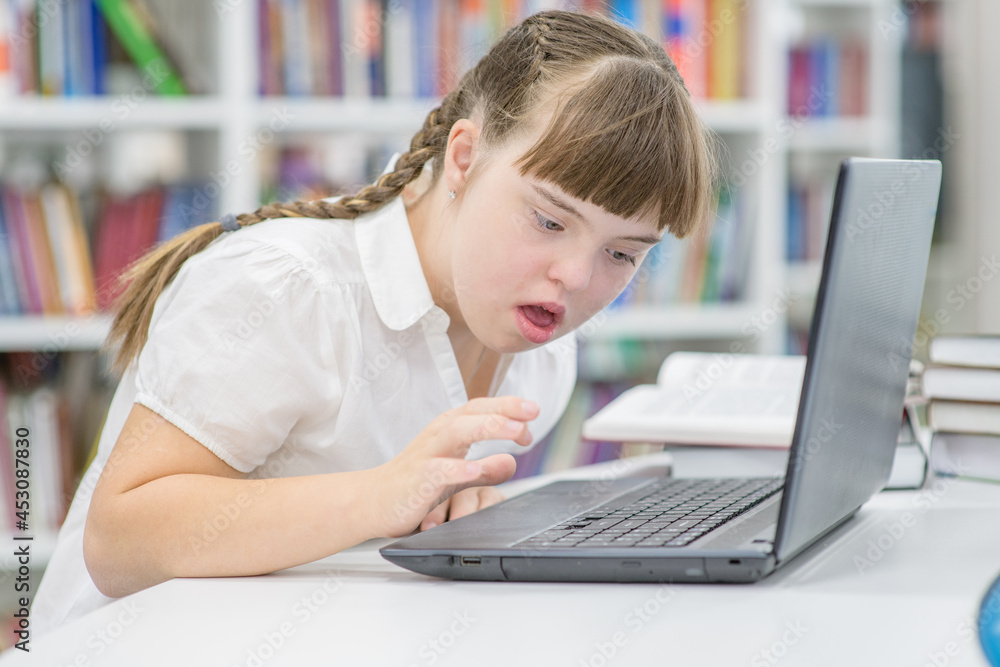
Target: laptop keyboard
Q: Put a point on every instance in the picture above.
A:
(675, 513)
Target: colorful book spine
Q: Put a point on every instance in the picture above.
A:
(828, 77)
(130, 30)
(47, 265)
(707, 268)
(10, 301)
(724, 53)
(374, 48)
(8, 437)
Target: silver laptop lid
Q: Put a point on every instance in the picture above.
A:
(860, 344)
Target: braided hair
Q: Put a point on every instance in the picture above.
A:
(623, 135)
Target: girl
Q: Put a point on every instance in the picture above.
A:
(361, 367)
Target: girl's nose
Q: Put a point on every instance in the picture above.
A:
(573, 271)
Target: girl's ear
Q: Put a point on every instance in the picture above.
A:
(460, 153)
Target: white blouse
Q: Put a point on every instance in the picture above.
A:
(298, 346)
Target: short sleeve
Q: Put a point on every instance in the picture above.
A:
(239, 350)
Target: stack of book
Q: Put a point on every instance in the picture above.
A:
(962, 385)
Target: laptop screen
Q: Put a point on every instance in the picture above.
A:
(860, 344)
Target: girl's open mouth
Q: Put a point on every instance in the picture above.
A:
(537, 322)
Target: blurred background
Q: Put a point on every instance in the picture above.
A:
(124, 122)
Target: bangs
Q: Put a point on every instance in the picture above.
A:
(629, 141)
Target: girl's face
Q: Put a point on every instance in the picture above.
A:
(531, 263)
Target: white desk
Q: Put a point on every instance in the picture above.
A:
(913, 605)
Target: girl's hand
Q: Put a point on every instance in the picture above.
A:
(433, 466)
(464, 502)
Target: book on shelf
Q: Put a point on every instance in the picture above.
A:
(59, 402)
(65, 48)
(363, 48)
(48, 264)
(314, 166)
(810, 197)
(133, 25)
(44, 257)
(828, 77)
(961, 385)
(710, 267)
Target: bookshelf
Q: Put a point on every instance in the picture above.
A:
(853, 52)
(230, 134)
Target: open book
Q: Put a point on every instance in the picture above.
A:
(708, 399)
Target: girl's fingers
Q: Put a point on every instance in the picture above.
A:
(436, 516)
(464, 502)
(505, 406)
(496, 469)
(513, 406)
(454, 438)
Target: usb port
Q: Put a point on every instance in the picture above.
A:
(470, 560)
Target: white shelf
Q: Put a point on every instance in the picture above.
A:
(345, 115)
(842, 134)
(738, 117)
(53, 333)
(682, 321)
(839, 4)
(78, 113)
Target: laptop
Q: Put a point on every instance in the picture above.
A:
(741, 529)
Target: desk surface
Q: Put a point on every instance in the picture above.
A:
(899, 584)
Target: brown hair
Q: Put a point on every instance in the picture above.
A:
(623, 135)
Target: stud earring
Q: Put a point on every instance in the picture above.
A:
(451, 194)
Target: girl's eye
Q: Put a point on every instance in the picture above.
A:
(545, 223)
(622, 258)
